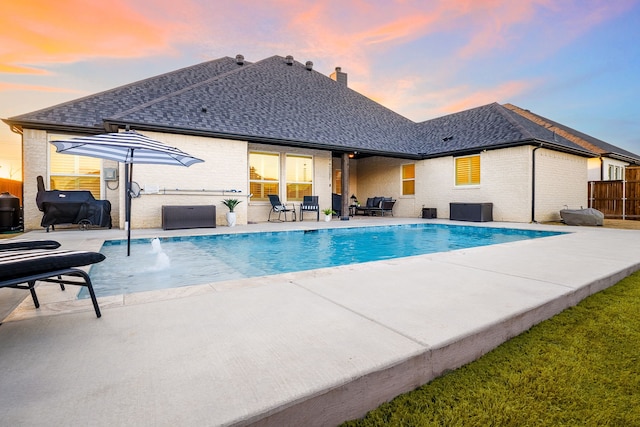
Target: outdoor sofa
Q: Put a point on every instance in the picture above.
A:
(23, 263)
(376, 205)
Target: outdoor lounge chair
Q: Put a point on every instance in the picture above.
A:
(310, 204)
(377, 205)
(23, 263)
(280, 208)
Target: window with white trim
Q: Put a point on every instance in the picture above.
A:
(408, 179)
(264, 175)
(299, 176)
(467, 170)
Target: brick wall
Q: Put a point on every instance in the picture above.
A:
(560, 181)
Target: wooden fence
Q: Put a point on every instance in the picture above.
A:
(617, 199)
(11, 186)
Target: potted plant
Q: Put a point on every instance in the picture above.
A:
(231, 215)
(327, 214)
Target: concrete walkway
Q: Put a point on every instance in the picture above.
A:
(299, 349)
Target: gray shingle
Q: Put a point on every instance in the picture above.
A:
(91, 110)
(272, 101)
(484, 127)
(276, 101)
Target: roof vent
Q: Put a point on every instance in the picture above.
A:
(289, 60)
(309, 65)
(240, 59)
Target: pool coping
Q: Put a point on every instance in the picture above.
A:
(444, 310)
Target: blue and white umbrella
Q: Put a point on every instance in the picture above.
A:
(126, 147)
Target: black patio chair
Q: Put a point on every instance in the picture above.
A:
(310, 204)
(280, 208)
(23, 263)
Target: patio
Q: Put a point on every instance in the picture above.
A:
(309, 348)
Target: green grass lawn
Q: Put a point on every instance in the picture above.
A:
(579, 368)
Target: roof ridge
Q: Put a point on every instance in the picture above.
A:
(541, 121)
(93, 95)
(503, 112)
(179, 91)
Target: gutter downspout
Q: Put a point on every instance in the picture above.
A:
(601, 168)
(533, 184)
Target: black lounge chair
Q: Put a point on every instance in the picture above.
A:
(28, 244)
(310, 204)
(377, 205)
(23, 263)
(280, 208)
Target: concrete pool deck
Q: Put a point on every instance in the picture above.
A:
(309, 348)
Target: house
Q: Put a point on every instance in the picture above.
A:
(276, 126)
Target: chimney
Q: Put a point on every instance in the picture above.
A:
(339, 76)
(240, 59)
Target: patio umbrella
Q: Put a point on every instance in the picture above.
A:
(127, 147)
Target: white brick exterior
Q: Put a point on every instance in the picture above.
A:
(35, 159)
(322, 169)
(561, 181)
(224, 168)
(506, 181)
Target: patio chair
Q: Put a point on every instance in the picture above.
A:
(24, 263)
(310, 204)
(280, 208)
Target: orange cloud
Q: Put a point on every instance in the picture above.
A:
(17, 69)
(4, 86)
(41, 31)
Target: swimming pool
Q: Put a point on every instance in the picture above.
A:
(181, 261)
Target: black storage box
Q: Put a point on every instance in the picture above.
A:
(477, 212)
(429, 213)
(199, 216)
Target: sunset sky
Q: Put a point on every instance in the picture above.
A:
(576, 62)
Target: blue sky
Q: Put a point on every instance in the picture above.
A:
(576, 62)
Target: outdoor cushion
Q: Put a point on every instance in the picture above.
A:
(15, 264)
(370, 201)
(28, 244)
(377, 201)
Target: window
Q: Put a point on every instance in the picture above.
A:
(468, 170)
(299, 177)
(337, 181)
(408, 179)
(264, 175)
(68, 172)
(615, 172)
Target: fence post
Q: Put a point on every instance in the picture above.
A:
(624, 198)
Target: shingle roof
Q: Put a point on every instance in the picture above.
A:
(91, 110)
(596, 145)
(486, 127)
(274, 101)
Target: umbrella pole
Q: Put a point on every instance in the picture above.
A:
(128, 176)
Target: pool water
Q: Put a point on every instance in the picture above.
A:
(181, 261)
